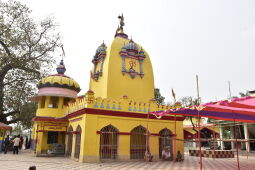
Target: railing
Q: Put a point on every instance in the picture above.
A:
(124, 104)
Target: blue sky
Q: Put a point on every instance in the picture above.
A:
(214, 39)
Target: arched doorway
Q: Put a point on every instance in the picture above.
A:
(138, 143)
(69, 141)
(165, 141)
(77, 142)
(108, 142)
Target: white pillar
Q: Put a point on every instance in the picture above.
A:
(221, 138)
(194, 144)
(246, 136)
(232, 137)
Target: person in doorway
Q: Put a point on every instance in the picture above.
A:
(166, 154)
(16, 142)
(6, 144)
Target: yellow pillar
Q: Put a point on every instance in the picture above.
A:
(154, 147)
(60, 102)
(91, 144)
(40, 102)
(124, 147)
(39, 143)
(47, 101)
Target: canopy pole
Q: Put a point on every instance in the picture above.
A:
(174, 151)
(237, 156)
(199, 142)
(198, 114)
(213, 141)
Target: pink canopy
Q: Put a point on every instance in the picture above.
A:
(238, 109)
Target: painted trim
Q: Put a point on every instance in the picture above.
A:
(129, 133)
(49, 119)
(118, 113)
(75, 120)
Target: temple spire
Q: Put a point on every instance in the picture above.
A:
(61, 67)
(121, 18)
(120, 30)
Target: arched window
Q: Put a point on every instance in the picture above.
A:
(77, 142)
(165, 142)
(108, 142)
(138, 143)
(69, 141)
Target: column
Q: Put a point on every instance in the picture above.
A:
(221, 138)
(124, 147)
(232, 137)
(246, 137)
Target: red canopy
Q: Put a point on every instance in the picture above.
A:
(5, 127)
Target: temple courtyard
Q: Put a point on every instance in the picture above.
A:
(25, 159)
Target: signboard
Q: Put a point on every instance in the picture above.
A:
(54, 128)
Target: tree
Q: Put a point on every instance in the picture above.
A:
(159, 98)
(26, 49)
(244, 94)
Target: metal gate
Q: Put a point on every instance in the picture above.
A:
(77, 142)
(165, 141)
(108, 143)
(69, 141)
(138, 143)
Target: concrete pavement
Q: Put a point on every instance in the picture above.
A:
(25, 159)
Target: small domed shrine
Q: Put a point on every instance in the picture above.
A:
(111, 121)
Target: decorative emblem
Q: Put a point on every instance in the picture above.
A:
(129, 53)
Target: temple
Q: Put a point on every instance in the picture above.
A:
(110, 121)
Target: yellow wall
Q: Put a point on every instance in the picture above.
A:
(114, 85)
(95, 123)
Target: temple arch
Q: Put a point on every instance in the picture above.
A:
(108, 142)
(165, 141)
(77, 141)
(69, 141)
(138, 142)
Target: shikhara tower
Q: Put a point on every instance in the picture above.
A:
(122, 68)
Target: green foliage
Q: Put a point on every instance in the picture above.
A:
(244, 94)
(188, 101)
(26, 49)
(158, 97)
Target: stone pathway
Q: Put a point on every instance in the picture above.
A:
(26, 159)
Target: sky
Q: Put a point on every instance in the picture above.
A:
(184, 38)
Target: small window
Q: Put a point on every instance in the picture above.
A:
(66, 100)
(53, 102)
(52, 137)
(42, 102)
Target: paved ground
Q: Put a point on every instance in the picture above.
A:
(26, 159)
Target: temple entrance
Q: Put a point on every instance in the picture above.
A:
(69, 141)
(108, 142)
(138, 143)
(206, 133)
(77, 142)
(165, 142)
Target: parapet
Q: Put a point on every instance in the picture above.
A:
(123, 104)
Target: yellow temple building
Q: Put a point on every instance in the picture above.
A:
(111, 121)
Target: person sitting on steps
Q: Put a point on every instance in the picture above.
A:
(179, 157)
